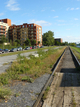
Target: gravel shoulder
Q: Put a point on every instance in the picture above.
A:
(27, 92)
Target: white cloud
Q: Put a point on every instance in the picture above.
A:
(12, 5)
(71, 38)
(1, 14)
(55, 16)
(72, 8)
(61, 21)
(40, 22)
(76, 19)
(77, 8)
(53, 10)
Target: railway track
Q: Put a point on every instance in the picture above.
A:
(65, 85)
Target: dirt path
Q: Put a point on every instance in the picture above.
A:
(65, 88)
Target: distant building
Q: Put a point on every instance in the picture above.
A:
(59, 40)
(4, 26)
(22, 32)
(8, 21)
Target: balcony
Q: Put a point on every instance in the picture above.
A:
(2, 28)
(2, 31)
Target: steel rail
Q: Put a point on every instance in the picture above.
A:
(74, 57)
(49, 80)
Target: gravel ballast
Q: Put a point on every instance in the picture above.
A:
(24, 93)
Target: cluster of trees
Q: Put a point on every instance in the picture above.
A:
(48, 40)
(17, 42)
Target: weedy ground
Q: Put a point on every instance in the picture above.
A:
(24, 69)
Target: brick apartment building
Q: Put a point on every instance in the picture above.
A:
(4, 26)
(22, 32)
(59, 40)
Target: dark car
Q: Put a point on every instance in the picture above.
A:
(42, 47)
(27, 48)
(19, 49)
(33, 47)
(0, 51)
(13, 50)
(5, 50)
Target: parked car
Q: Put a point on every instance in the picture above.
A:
(19, 49)
(5, 50)
(42, 47)
(13, 50)
(33, 47)
(27, 48)
(0, 51)
(38, 47)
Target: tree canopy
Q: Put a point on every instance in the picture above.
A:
(48, 38)
(33, 42)
(3, 39)
(27, 42)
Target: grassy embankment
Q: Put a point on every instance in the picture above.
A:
(29, 69)
(76, 51)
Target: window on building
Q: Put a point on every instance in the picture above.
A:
(23, 26)
(26, 25)
(31, 25)
(37, 28)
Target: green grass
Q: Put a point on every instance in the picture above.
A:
(76, 48)
(76, 51)
(45, 93)
(27, 78)
(31, 68)
(5, 93)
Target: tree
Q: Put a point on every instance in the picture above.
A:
(3, 39)
(27, 42)
(72, 44)
(18, 42)
(38, 42)
(33, 42)
(57, 43)
(48, 38)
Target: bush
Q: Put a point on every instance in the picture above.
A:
(4, 92)
(4, 80)
(27, 78)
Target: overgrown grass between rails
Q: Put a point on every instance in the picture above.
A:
(31, 68)
(45, 93)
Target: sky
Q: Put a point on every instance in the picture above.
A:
(59, 16)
